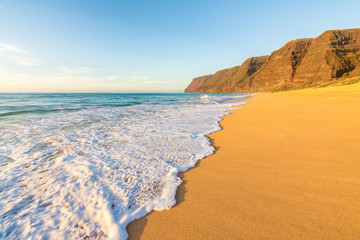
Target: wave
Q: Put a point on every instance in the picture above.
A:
(38, 111)
(89, 173)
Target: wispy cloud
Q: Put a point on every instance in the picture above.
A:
(76, 79)
(153, 82)
(148, 79)
(138, 77)
(76, 71)
(17, 56)
(7, 76)
(112, 77)
(144, 77)
(12, 81)
(2, 7)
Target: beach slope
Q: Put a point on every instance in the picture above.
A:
(287, 167)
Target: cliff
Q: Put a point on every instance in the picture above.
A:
(227, 79)
(197, 83)
(334, 55)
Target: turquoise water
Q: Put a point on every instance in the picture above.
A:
(16, 107)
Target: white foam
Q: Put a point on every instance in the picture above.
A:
(90, 173)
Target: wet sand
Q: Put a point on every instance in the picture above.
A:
(287, 167)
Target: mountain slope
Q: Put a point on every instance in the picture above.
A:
(333, 55)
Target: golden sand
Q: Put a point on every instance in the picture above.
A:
(287, 167)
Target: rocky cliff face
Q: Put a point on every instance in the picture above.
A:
(333, 55)
(228, 79)
(197, 83)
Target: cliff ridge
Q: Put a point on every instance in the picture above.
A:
(332, 56)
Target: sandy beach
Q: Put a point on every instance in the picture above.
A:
(287, 167)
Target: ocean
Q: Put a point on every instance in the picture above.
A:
(84, 165)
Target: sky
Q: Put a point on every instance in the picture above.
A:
(148, 46)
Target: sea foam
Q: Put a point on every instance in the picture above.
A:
(89, 173)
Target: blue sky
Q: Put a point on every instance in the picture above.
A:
(147, 46)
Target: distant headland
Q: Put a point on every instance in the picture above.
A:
(333, 58)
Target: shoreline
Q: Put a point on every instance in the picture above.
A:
(181, 189)
(262, 194)
(136, 227)
(180, 193)
(178, 197)
(142, 151)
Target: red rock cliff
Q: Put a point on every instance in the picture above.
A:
(333, 55)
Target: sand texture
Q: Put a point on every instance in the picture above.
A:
(287, 167)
